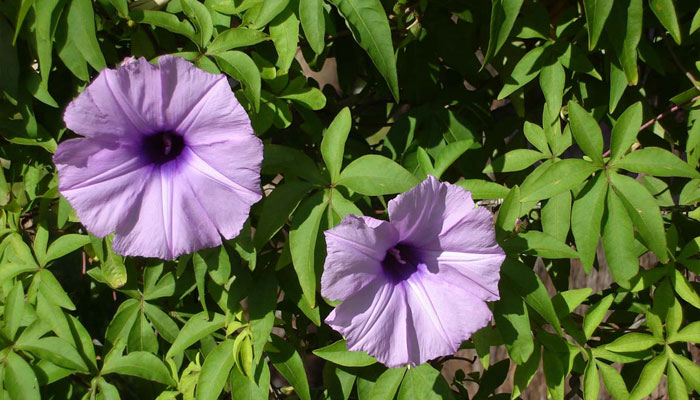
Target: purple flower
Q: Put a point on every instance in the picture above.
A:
(414, 288)
(169, 161)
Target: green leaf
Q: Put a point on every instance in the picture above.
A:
(370, 27)
(625, 34)
(313, 22)
(14, 310)
(122, 322)
(303, 238)
(644, 212)
(242, 387)
(573, 58)
(307, 96)
(44, 10)
(689, 370)
(591, 381)
(586, 219)
(262, 302)
(649, 377)
(625, 130)
(503, 17)
(57, 351)
(535, 135)
(594, 316)
(268, 11)
(276, 209)
(559, 177)
(66, 244)
(24, 7)
(338, 353)
(556, 216)
(613, 381)
(552, 82)
(514, 160)
(525, 372)
(527, 69)
(20, 381)
(196, 328)
(540, 244)
(656, 161)
(167, 328)
(166, 21)
(685, 290)
(142, 337)
(632, 342)
(424, 382)
(235, 38)
(290, 162)
(597, 12)
(52, 290)
(333, 143)
(215, 371)
(113, 269)
(481, 189)
(533, 291)
(81, 32)
(288, 362)
(375, 175)
(140, 364)
(512, 321)
(618, 84)
(665, 11)
(387, 384)
(200, 16)
(676, 386)
(586, 132)
(695, 23)
(241, 67)
(509, 212)
(690, 333)
(618, 241)
(284, 31)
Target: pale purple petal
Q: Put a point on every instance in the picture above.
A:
(185, 87)
(420, 213)
(170, 161)
(376, 320)
(356, 248)
(476, 272)
(217, 117)
(444, 314)
(168, 221)
(101, 180)
(228, 188)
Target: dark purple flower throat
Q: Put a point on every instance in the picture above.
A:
(400, 262)
(162, 147)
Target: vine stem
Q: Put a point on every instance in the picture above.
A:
(662, 115)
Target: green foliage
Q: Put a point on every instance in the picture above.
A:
(576, 122)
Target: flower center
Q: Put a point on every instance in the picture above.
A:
(163, 146)
(400, 262)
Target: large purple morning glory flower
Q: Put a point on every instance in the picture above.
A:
(169, 161)
(414, 288)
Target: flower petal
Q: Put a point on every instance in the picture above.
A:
(227, 189)
(356, 248)
(101, 180)
(184, 86)
(101, 110)
(217, 117)
(479, 273)
(168, 222)
(444, 314)
(376, 320)
(420, 213)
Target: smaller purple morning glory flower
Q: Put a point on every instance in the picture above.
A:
(416, 287)
(169, 161)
